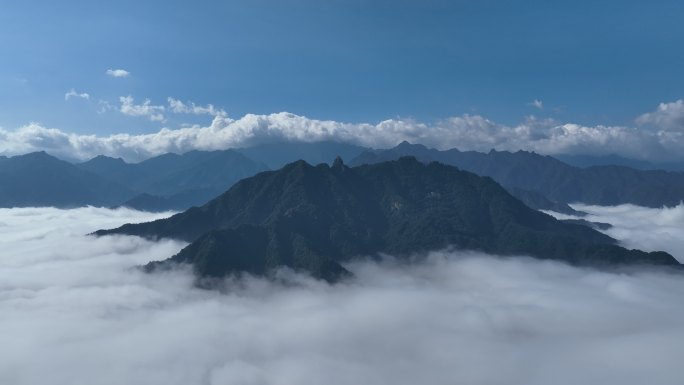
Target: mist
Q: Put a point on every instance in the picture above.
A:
(73, 310)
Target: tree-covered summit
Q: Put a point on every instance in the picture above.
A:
(313, 218)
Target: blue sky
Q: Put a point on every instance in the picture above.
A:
(589, 62)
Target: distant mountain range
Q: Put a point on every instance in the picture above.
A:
(276, 155)
(177, 182)
(616, 160)
(165, 182)
(550, 178)
(38, 179)
(173, 181)
(314, 218)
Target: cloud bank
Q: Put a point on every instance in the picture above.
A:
(669, 116)
(640, 227)
(663, 141)
(79, 314)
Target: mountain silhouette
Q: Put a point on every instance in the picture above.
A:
(314, 218)
(553, 179)
(171, 181)
(39, 179)
(276, 155)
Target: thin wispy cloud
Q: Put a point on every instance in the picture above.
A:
(73, 94)
(82, 315)
(146, 109)
(104, 106)
(118, 73)
(178, 107)
(536, 103)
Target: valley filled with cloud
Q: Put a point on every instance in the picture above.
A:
(326, 164)
(73, 309)
(643, 228)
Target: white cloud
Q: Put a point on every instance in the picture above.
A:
(104, 106)
(178, 107)
(82, 315)
(668, 116)
(638, 227)
(118, 73)
(146, 109)
(536, 103)
(466, 132)
(73, 94)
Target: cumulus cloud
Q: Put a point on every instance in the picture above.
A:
(146, 109)
(668, 116)
(117, 73)
(80, 314)
(466, 132)
(178, 107)
(638, 227)
(73, 94)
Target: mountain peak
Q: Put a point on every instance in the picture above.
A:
(338, 163)
(405, 145)
(37, 154)
(314, 219)
(108, 159)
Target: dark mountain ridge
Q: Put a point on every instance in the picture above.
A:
(553, 179)
(172, 181)
(166, 182)
(176, 182)
(585, 161)
(182, 180)
(313, 218)
(39, 179)
(277, 155)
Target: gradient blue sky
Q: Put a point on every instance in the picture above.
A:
(590, 62)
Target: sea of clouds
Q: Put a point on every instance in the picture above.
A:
(638, 227)
(74, 310)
